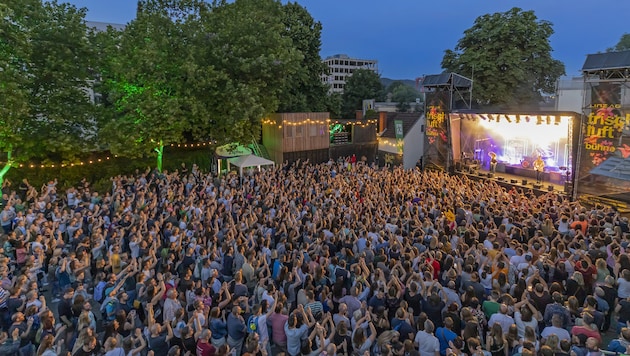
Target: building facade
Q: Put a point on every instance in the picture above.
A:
(341, 67)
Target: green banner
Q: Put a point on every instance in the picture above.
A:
(400, 135)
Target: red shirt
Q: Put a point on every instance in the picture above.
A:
(436, 268)
(577, 330)
(205, 349)
(586, 273)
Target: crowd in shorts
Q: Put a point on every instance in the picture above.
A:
(338, 258)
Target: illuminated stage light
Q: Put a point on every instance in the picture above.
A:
(518, 144)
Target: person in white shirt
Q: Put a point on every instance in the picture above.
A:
(427, 343)
(555, 329)
(502, 318)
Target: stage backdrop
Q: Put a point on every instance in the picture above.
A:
(436, 136)
(604, 167)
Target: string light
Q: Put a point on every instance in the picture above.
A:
(387, 143)
(361, 123)
(98, 160)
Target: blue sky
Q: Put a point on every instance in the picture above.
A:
(408, 37)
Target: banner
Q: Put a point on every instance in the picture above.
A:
(400, 135)
(604, 168)
(436, 133)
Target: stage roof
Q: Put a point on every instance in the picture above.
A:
(446, 80)
(605, 61)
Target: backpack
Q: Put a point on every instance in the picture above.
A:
(252, 324)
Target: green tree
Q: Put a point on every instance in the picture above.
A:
(45, 59)
(509, 56)
(363, 84)
(251, 61)
(622, 45)
(403, 95)
(144, 76)
(303, 91)
(335, 102)
(394, 85)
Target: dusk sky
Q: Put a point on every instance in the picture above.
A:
(409, 37)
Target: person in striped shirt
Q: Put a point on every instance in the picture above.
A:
(315, 306)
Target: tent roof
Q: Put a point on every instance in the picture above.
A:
(608, 60)
(232, 150)
(250, 161)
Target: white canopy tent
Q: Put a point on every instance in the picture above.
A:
(249, 161)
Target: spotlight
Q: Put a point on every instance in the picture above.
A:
(527, 118)
(557, 120)
(507, 118)
(539, 120)
(518, 119)
(548, 120)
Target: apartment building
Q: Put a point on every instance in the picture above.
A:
(341, 66)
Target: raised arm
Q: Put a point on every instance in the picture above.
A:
(138, 337)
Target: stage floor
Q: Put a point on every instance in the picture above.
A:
(512, 180)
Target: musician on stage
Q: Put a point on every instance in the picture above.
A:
(539, 167)
(493, 162)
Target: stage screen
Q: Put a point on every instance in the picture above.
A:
(604, 167)
(517, 140)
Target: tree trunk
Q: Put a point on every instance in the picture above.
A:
(160, 155)
(6, 168)
(4, 171)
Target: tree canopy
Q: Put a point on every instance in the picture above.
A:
(403, 95)
(45, 73)
(363, 84)
(622, 45)
(181, 71)
(144, 80)
(185, 70)
(509, 57)
(303, 90)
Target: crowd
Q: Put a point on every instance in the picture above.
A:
(340, 258)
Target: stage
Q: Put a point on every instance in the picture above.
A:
(509, 181)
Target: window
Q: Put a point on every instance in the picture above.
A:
(312, 130)
(322, 130)
(298, 130)
(288, 131)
